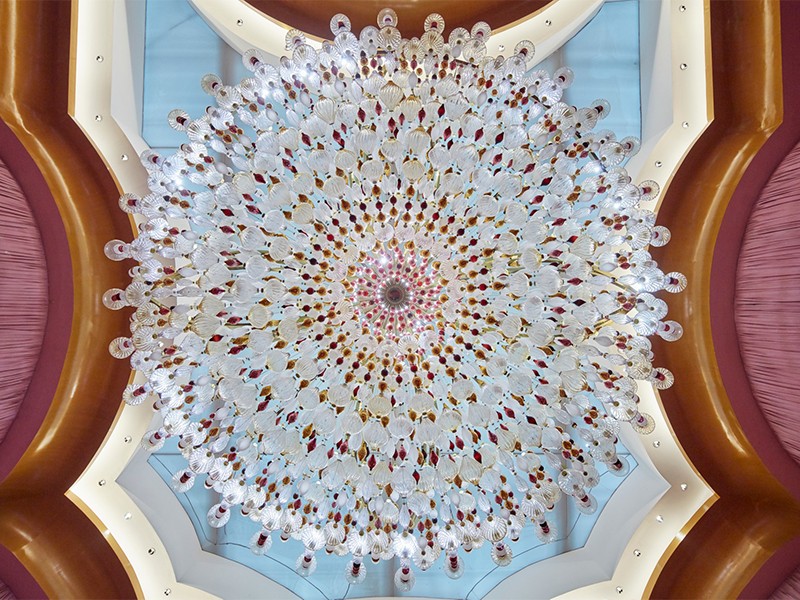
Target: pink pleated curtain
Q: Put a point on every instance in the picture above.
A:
(23, 298)
(5, 593)
(789, 589)
(767, 304)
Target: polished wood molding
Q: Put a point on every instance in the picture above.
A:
(313, 17)
(755, 514)
(52, 538)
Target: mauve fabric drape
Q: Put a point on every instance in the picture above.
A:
(767, 303)
(23, 297)
(789, 589)
(5, 593)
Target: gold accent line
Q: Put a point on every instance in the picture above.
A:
(676, 541)
(109, 537)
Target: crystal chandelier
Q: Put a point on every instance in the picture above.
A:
(393, 297)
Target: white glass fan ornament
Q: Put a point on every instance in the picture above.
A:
(393, 297)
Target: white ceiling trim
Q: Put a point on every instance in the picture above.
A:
(243, 27)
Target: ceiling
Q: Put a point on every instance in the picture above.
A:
(712, 441)
(313, 18)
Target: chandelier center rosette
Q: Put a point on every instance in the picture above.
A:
(397, 294)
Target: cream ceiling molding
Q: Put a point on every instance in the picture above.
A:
(195, 567)
(96, 60)
(686, 57)
(99, 63)
(93, 68)
(548, 29)
(687, 498)
(243, 27)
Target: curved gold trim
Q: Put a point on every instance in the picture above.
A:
(701, 512)
(126, 563)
